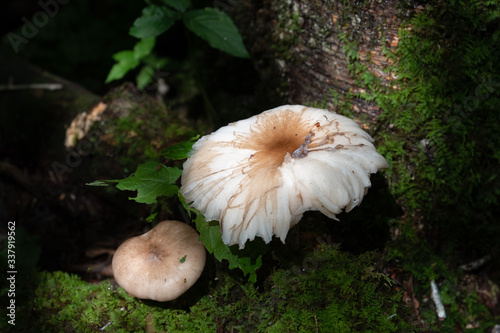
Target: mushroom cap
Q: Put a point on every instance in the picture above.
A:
(259, 175)
(160, 264)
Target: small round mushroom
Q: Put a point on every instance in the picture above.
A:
(259, 175)
(161, 264)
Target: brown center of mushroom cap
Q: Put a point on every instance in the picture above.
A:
(275, 136)
(154, 255)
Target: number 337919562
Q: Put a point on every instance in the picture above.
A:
(11, 243)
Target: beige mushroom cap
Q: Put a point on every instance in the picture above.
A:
(258, 176)
(161, 264)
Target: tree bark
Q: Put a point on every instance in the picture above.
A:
(304, 42)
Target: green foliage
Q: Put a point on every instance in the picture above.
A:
(179, 151)
(217, 29)
(210, 24)
(154, 21)
(128, 60)
(152, 180)
(211, 237)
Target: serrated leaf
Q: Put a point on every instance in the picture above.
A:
(154, 21)
(144, 47)
(217, 29)
(211, 237)
(179, 151)
(151, 180)
(179, 5)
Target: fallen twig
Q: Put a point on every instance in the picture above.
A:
(33, 86)
(476, 263)
(437, 300)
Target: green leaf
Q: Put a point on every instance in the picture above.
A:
(156, 62)
(179, 151)
(154, 21)
(178, 5)
(150, 180)
(211, 237)
(217, 29)
(151, 217)
(144, 47)
(145, 77)
(126, 62)
(124, 56)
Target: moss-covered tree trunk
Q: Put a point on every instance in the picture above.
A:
(309, 44)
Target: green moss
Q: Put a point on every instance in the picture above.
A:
(332, 290)
(446, 97)
(439, 132)
(140, 126)
(340, 293)
(443, 172)
(66, 303)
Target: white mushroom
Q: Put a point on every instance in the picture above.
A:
(161, 264)
(259, 175)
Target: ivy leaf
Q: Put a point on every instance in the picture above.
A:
(211, 237)
(179, 151)
(154, 21)
(150, 180)
(178, 5)
(216, 28)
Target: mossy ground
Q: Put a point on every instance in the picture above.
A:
(330, 291)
